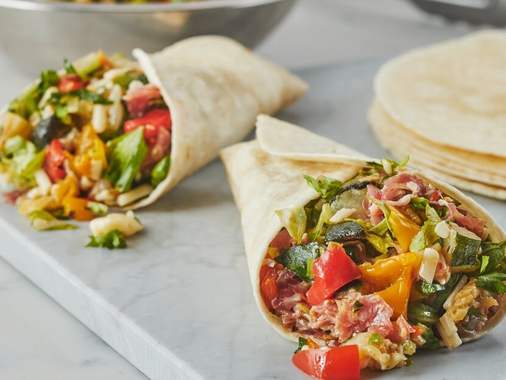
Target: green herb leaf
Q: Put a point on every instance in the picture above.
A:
(91, 96)
(69, 67)
(493, 282)
(299, 259)
(126, 154)
(327, 187)
(48, 78)
(160, 171)
(302, 344)
(294, 220)
(128, 77)
(427, 288)
(112, 240)
(431, 341)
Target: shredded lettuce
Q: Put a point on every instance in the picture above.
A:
(42, 220)
(295, 221)
(326, 213)
(126, 154)
(427, 235)
(23, 160)
(112, 240)
(327, 187)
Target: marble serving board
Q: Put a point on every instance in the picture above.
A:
(178, 303)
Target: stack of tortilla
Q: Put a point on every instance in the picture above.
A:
(445, 107)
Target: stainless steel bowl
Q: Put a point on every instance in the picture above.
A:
(38, 34)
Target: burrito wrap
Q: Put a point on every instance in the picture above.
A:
(214, 88)
(267, 175)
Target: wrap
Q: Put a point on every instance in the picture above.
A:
(121, 133)
(214, 88)
(267, 175)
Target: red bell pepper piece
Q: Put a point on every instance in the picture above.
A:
(70, 83)
(338, 363)
(268, 285)
(332, 270)
(152, 121)
(53, 161)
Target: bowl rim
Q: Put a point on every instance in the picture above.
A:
(59, 6)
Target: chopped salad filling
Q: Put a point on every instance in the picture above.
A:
(385, 262)
(93, 135)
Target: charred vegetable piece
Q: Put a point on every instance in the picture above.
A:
(299, 259)
(419, 312)
(345, 231)
(49, 129)
(466, 252)
(441, 296)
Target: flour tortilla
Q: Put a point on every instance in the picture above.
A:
(452, 93)
(394, 138)
(214, 88)
(461, 159)
(267, 175)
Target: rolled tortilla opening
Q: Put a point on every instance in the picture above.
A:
(267, 175)
(214, 88)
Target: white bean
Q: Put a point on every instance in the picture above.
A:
(127, 224)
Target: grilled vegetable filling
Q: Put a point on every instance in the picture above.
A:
(92, 135)
(384, 261)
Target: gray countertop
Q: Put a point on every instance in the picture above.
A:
(39, 339)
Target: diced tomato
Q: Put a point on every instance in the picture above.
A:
(332, 270)
(70, 83)
(268, 286)
(283, 240)
(338, 363)
(53, 161)
(138, 100)
(152, 121)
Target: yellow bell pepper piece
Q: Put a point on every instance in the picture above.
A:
(77, 208)
(392, 278)
(67, 187)
(403, 228)
(397, 294)
(89, 147)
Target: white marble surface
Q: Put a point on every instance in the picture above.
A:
(40, 340)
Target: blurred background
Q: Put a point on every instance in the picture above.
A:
(38, 337)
